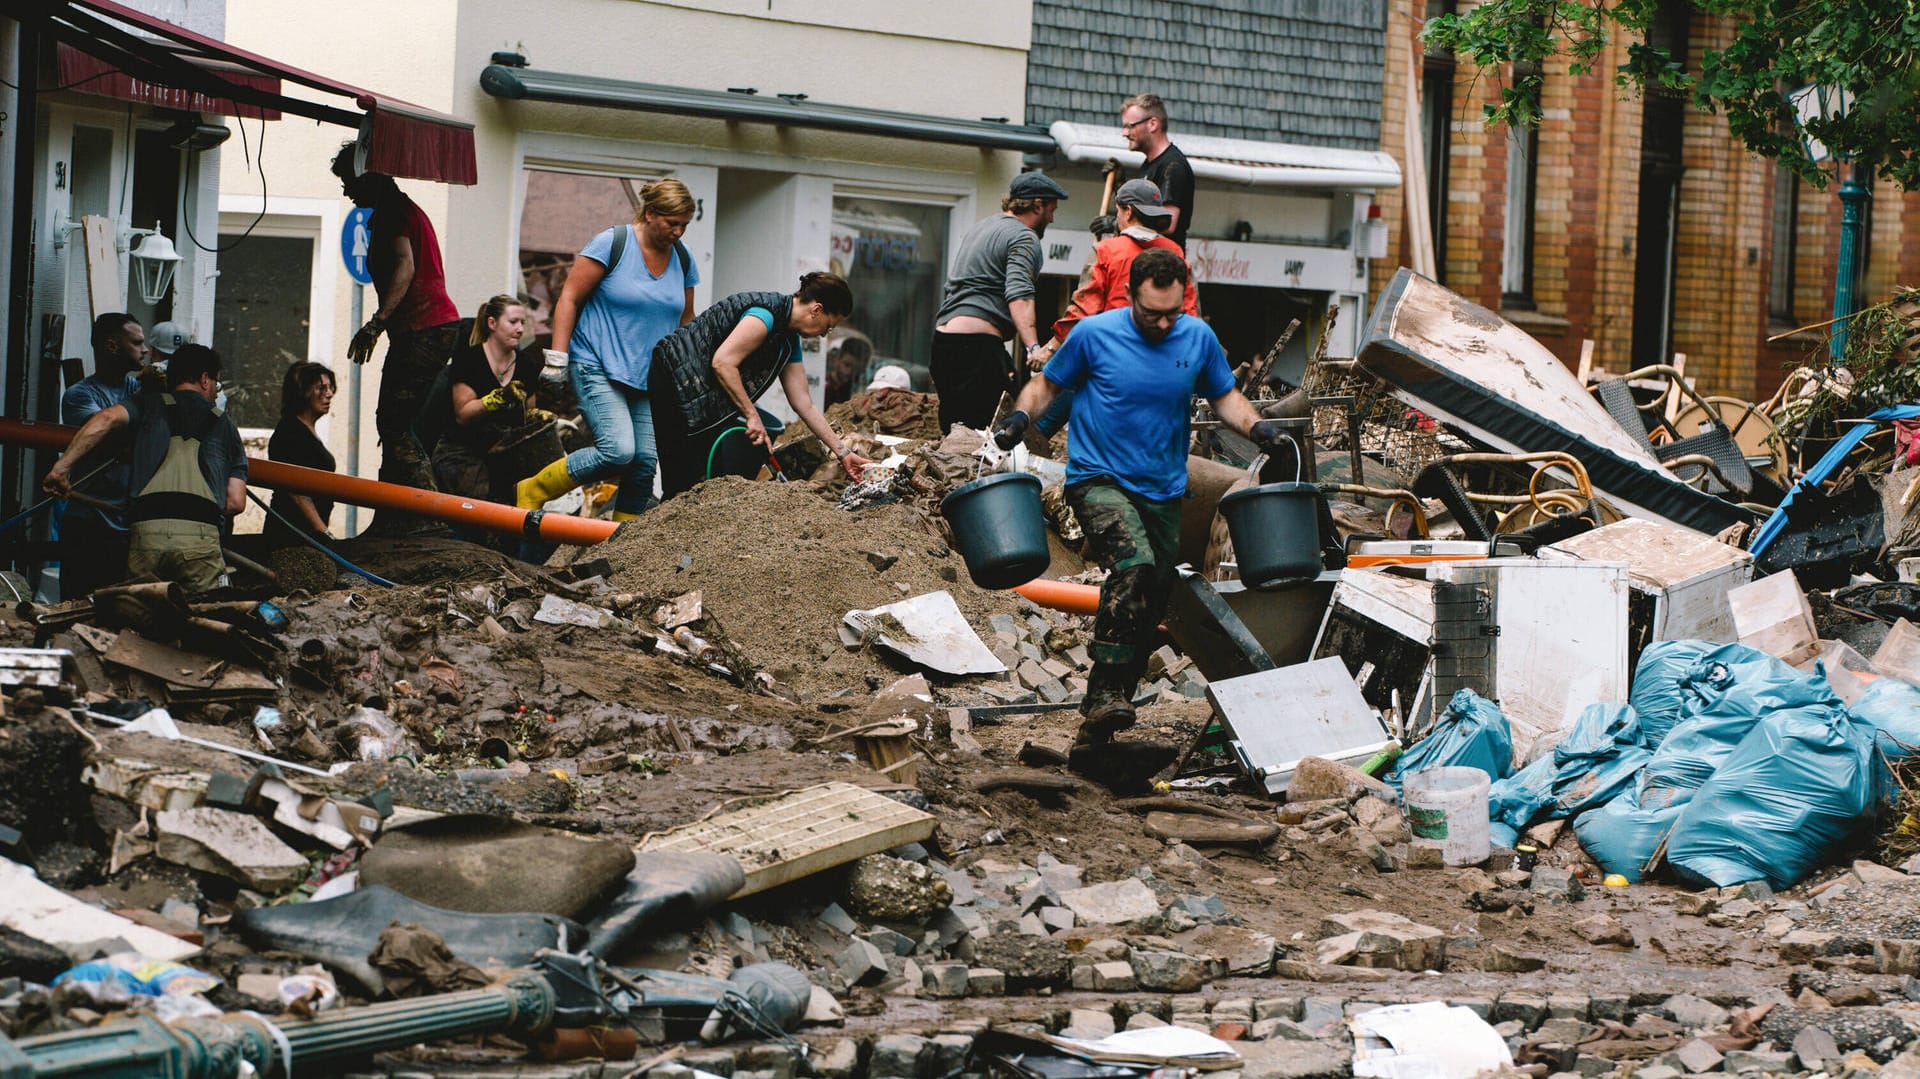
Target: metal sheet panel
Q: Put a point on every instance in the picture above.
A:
(1280, 716)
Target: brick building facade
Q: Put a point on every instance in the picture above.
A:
(1651, 230)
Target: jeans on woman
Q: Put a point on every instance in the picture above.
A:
(623, 444)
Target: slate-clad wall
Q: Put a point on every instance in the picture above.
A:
(1304, 71)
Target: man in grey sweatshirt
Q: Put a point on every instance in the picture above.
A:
(989, 299)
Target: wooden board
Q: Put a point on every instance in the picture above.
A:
(103, 265)
(163, 661)
(796, 835)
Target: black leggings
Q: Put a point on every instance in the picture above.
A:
(970, 372)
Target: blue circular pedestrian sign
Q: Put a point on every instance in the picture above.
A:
(355, 238)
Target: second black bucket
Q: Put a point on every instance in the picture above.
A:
(999, 529)
(1276, 531)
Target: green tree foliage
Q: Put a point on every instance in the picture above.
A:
(1870, 48)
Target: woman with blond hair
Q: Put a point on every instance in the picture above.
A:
(630, 287)
(489, 384)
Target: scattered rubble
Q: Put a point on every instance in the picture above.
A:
(665, 750)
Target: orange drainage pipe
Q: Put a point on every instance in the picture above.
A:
(1066, 596)
(533, 524)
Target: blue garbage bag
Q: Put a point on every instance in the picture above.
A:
(1734, 680)
(1622, 835)
(1597, 761)
(1798, 792)
(1723, 695)
(1471, 732)
(1892, 708)
(1513, 803)
(1656, 685)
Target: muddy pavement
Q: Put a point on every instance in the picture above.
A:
(1039, 898)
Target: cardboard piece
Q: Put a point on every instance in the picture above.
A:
(163, 661)
(555, 611)
(1772, 615)
(928, 630)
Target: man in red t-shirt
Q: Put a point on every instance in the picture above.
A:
(419, 319)
(1141, 216)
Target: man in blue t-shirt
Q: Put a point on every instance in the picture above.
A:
(1135, 371)
(93, 544)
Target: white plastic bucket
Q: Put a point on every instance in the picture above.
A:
(1447, 808)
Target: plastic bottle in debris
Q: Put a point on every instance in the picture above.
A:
(697, 647)
(371, 735)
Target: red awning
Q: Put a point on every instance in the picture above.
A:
(88, 74)
(397, 138)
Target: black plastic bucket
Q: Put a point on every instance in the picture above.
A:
(998, 528)
(735, 454)
(1276, 531)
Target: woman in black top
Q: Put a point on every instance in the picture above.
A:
(489, 382)
(306, 394)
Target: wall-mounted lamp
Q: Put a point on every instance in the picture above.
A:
(153, 263)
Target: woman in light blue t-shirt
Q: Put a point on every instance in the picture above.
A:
(630, 287)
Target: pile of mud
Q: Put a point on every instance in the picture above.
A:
(777, 566)
(889, 412)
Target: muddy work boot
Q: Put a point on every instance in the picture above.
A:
(1121, 767)
(1107, 706)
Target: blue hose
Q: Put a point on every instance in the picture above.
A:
(321, 547)
(27, 514)
(41, 506)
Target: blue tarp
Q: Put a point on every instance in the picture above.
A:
(1825, 467)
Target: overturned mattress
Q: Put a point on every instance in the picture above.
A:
(1489, 380)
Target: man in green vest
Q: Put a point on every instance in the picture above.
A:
(187, 472)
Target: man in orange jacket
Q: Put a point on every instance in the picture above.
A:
(1141, 215)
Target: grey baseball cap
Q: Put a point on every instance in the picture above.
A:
(167, 337)
(1035, 185)
(1144, 197)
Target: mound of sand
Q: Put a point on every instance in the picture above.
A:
(777, 566)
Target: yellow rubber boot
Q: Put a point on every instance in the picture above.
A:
(544, 486)
(620, 515)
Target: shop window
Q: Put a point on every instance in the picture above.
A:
(562, 211)
(156, 198)
(1786, 245)
(894, 255)
(1516, 264)
(260, 320)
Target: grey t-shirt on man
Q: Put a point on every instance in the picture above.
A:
(996, 264)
